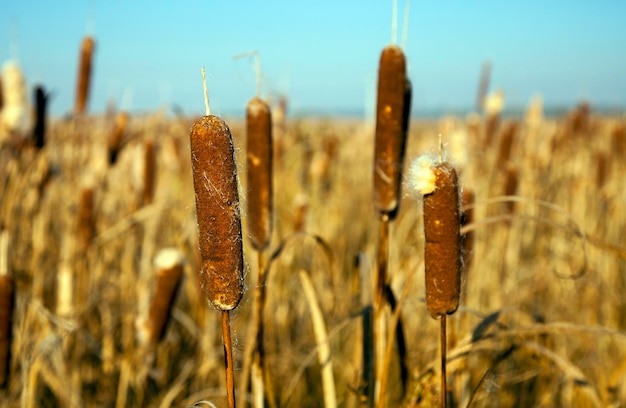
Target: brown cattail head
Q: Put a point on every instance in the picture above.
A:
(6, 311)
(217, 208)
(259, 166)
(86, 218)
(437, 181)
(149, 172)
(114, 142)
(391, 122)
(84, 75)
(170, 265)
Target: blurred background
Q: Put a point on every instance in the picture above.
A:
(322, 55)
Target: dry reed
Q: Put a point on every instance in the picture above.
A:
(116, 137)
(41, 104)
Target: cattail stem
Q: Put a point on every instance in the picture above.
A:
(228, 359)
(444, 347)
(381, 283)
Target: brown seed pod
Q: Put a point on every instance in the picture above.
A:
(259, 170)
(84, 75)
(6, 311)
(170, 265)
(442, 254)
(217, 207)
(86, 218)
(391, 119)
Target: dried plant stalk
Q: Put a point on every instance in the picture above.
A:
(259, 171)
(1, 95)
(217, 207)
(390, 132)
(84, 75)
(442, 253)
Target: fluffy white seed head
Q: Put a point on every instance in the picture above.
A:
(422, 178)
(16, 114)
(168, 258)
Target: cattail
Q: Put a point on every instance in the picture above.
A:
(7, 297)
(391, 127)
(217, 208)
(149, 172)
(84, 75)
(510, 187)
(259, 170)
(618, 139)
(437, 182)
(170, 265)
(602, 169)
(114, 142)
(41, 102)
(86, 218)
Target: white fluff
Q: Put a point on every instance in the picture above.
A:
(16, 114)
(422, 179)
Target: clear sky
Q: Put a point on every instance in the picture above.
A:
(322, 54)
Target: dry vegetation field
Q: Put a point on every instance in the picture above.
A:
(542, 320)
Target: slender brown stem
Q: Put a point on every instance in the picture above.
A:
(383, 254)
(444, 390)
(379, 300)
(228, 359)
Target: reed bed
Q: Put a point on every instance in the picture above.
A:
(543, 306)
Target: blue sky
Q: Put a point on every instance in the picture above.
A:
(322, 54)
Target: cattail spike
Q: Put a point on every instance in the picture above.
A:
(442, 253)
(259, 170)
(217, 207)
(84, 75)
(391, 116)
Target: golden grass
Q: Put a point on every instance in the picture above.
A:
(539, 338)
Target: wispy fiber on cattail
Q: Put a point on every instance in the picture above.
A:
(114, 142)
(170, 265)
(84, 75)
(217, 208)
(391, 121)
(41, 104)
(467, 217)
(259, 171)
